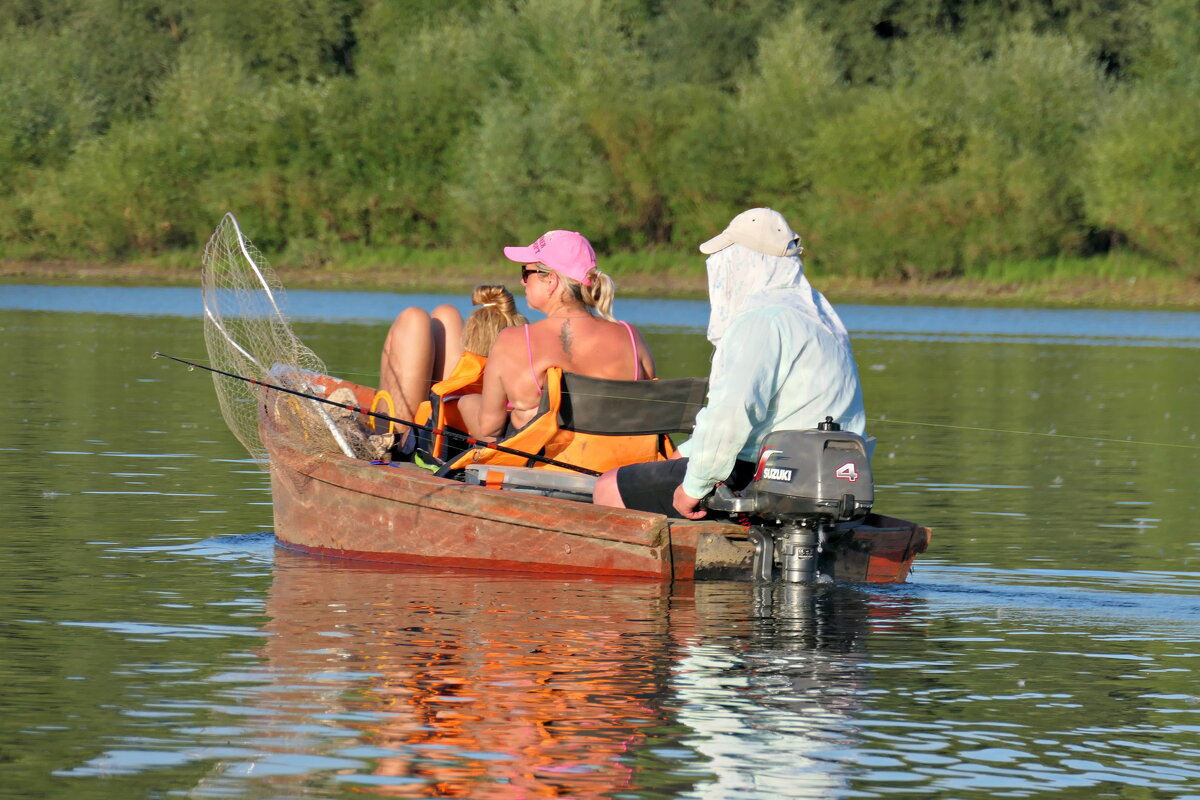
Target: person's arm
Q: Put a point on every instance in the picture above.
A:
(688, 506)
(746, 364)
(645, 357)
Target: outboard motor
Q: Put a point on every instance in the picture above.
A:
(806, 482)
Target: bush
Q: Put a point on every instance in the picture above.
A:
(570, 134)
(1142, 167)
(1144, 158)
(965, 159)
(136, 189)
(392, 130)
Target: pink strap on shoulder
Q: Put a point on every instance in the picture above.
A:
(637, 362)
(532, 371)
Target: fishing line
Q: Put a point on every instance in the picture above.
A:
(1032, 433)
(885, 420)
(981, 429)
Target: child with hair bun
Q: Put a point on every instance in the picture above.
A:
(497, 311)
(424, 350)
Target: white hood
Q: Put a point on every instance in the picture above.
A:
(742, 280)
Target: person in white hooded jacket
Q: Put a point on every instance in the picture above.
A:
(782, 362)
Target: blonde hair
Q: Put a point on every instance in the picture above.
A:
(497, 311)
(599, 296)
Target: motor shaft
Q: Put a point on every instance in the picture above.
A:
(797, 551)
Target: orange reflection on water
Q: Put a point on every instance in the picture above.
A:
(476, 685)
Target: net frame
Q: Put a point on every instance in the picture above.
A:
(247, 333)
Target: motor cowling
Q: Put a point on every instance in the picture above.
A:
(816, 476)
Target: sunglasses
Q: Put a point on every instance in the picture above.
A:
(527, 271)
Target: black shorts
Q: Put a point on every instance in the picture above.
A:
(651, 486)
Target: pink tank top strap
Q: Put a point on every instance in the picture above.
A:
(532, 371)
(637, 362)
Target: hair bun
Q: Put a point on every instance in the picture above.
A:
(492, 295)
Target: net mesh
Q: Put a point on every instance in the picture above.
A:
(247, 333)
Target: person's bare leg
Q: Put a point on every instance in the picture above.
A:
(447, 341)
(606, 492)
(407, 361)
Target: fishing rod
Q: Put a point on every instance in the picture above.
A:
(471, 440)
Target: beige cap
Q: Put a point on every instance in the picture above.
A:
(761, 229)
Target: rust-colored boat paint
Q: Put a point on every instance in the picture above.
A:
(895, 543)
(331, 505)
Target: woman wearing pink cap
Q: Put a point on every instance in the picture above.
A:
(578, 334)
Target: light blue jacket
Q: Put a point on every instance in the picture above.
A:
(774, 369)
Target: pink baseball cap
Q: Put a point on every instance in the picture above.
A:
(562, 251)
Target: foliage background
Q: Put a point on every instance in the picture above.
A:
(904, 139)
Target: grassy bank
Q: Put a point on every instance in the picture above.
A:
(1108, 282)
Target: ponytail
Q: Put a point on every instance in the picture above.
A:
(597, 298)
(497, 311)
(600, 294)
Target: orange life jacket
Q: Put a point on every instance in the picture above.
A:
(441, 409)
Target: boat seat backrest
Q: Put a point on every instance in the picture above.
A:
(628, 408)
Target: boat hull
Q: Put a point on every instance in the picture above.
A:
(329, 504)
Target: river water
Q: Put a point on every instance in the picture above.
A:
(153, 643)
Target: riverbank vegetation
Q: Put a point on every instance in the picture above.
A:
(911, 142)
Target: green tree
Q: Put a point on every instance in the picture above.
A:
(44, 111)
(969, 157)
(795, 85)
(1144, 158)
(283, 40)
(391, 131)
(135, 189)
(570, 132)
(906, 137)
(707, 42)
(120, 50)
(869, 34)
(44, 15)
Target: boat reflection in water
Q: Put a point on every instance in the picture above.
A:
(410, 683)
(769, 679)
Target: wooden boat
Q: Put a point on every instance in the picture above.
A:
(330, 504)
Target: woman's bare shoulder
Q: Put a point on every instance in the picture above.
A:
(509, 337)
(508, 343)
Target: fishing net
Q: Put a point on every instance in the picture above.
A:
(247, 333)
